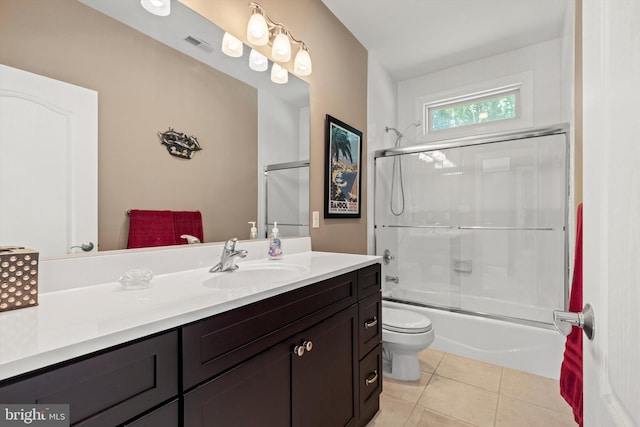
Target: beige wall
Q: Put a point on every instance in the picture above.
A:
(145, 87)
(338, 86)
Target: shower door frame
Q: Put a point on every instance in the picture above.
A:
(467, 141)
(278, 167)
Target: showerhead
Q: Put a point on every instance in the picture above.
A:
(401, 134)
(414, 124)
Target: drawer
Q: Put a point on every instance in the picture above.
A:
(212, 345)
(369, 323)
(370, 384)
(369, 281)
(107, 388)
(165, 416)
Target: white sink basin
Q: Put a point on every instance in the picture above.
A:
(256, 275)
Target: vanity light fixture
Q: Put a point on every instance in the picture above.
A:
(231, 46)
(157, 7)
(257, 61)
(302, 63)
(262, 30)
(279, 75)
(257, 29)
(281, 49)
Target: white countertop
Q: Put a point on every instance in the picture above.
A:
(72, 322)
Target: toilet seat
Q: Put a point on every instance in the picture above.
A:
(404, 321)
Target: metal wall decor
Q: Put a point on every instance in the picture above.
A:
(179, 144)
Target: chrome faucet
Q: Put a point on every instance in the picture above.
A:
(229, 257)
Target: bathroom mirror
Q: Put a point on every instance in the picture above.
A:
(153, 73)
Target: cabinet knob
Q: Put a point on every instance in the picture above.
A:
(371, 379)
(308, 345)
(298, 350)
(371, 323)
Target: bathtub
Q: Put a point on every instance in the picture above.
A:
(526, 348)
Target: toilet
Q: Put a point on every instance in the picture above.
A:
(404, 334)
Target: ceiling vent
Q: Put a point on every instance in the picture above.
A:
(200, 44)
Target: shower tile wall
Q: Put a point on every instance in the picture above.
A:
(505, 206)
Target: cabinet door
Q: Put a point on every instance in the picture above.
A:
(254, 393)
(167, 415)
(108, 388)
(324, 379)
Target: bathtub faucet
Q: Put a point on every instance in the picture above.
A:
(228, 257)
(393, 279)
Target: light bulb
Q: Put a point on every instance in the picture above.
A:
(281, 50)
(257, 61)
(231, 46)
(157, 7)
(257, 30)
(302, 63)
(278, 74)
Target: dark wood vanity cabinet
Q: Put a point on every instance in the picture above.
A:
(255, 393)
(286, 386)
(324, 380)
(107, 388)
(308, 357)
(309, 362)
(369, 342)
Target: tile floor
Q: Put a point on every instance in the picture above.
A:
(454, 392)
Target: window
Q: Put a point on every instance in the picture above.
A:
(474, 109)
(488, 106)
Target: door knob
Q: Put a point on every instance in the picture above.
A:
(308, 345)
(87, 247)
(564, 321)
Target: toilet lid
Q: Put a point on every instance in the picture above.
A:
(399, 320)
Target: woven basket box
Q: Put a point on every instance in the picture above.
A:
(18, 278)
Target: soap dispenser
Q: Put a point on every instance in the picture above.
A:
(253, 234)
(275, 244)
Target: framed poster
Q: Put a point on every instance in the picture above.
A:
(343, 161)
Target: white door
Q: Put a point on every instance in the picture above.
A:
(611, 46)
(48, 163)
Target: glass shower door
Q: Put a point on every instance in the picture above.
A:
(512, 225)
(478, 227)
(415, 215)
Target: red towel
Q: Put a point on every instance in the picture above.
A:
(571, 370)
(150, 228)
(187, 222)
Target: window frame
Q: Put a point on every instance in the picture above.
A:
(479, 97)
(520, 83)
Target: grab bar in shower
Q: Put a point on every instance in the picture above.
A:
(285, 224)
(472, 227)
(415, 226)
(478, 227)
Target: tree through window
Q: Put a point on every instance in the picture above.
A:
(467, 111)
